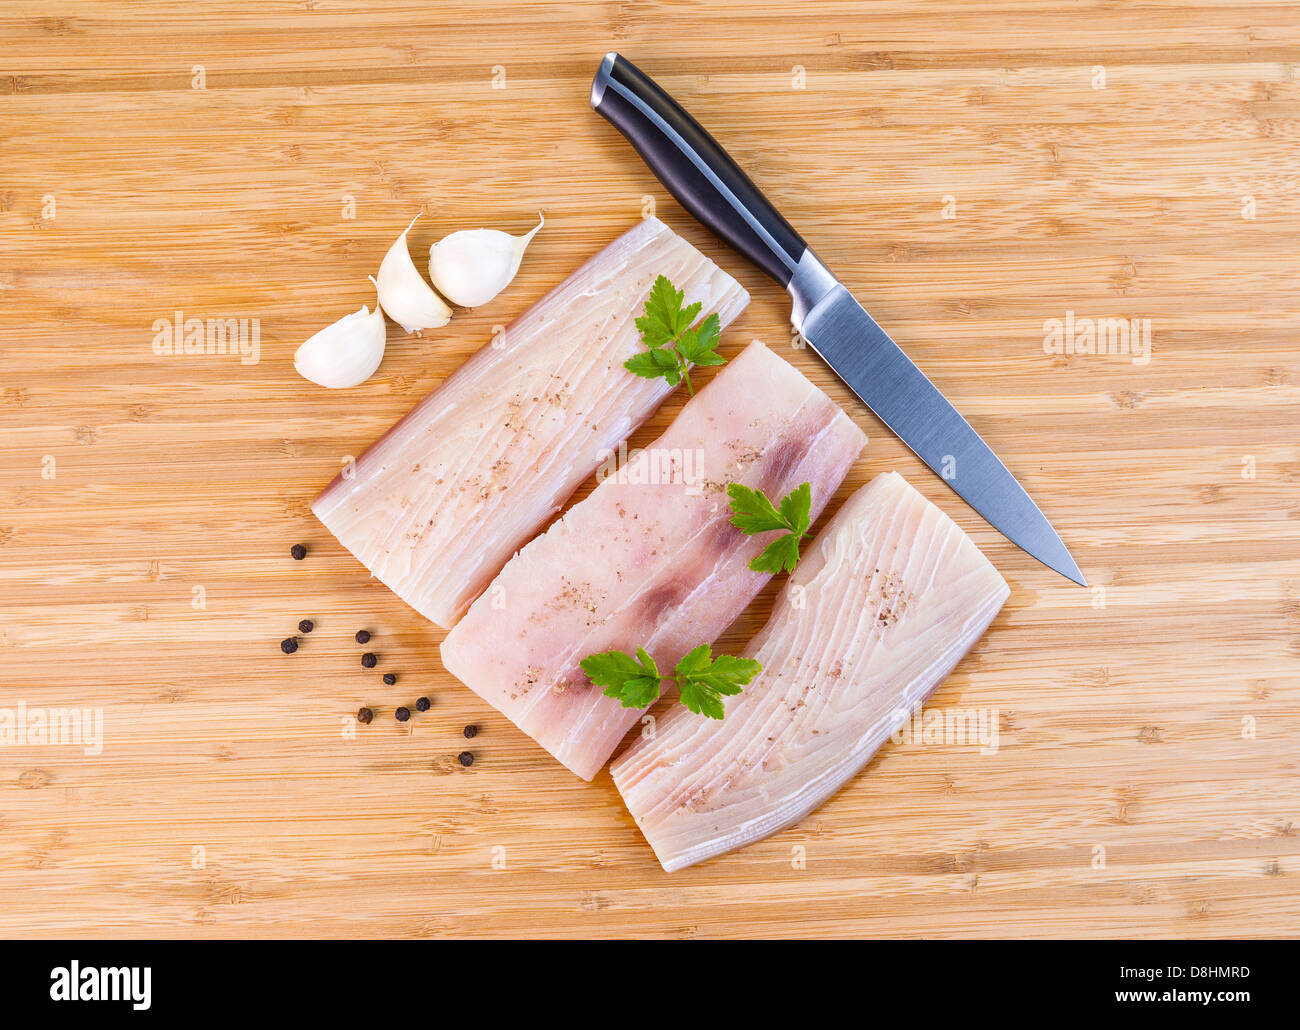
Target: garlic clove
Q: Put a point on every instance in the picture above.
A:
(472, 266)
(403, 293)
(346, 353)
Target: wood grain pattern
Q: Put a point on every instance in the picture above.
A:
(1155, 727)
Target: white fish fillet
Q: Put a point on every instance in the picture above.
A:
(439, 503)
(887, 600)
(656, 564)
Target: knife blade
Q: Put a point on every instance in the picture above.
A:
(708, 183)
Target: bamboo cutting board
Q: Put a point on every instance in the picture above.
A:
(973, 171)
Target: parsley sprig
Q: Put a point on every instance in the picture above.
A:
(674, 346)
(753, 513)
(702, 680)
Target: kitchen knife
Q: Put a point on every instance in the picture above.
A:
(709, 184)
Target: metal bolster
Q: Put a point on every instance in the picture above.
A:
(811, 282)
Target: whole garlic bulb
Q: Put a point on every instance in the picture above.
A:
(472, 266)
(403, 293)
(346, 353)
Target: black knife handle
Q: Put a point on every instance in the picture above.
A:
(694, 168)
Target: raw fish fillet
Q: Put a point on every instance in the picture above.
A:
(654, 564)
(884, 603)
(440, 502)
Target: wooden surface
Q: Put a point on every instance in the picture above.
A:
(1098, 159)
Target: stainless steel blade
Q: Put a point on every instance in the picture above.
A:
(876, 369)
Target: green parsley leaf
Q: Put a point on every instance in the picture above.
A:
(781, 555)
(695, 661)
(753, 513)
(653, 333)
(796, 506)
(699, 345)
(672, 345)
(661, 309)
(701, 702)
(644, 364)
(702, 680)
(633, 681)
(638, 692)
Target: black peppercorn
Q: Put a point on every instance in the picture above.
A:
(471, 731)
(289, 645)
(465, 758)
(402, 714)
(364, 716)
(363, 636)
(368, 660)
(298, 551)
(389, 679)
(306, 626)
(422, 705)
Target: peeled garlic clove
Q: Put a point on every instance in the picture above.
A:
(403, 293)
(472, 266)
(345, 353)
